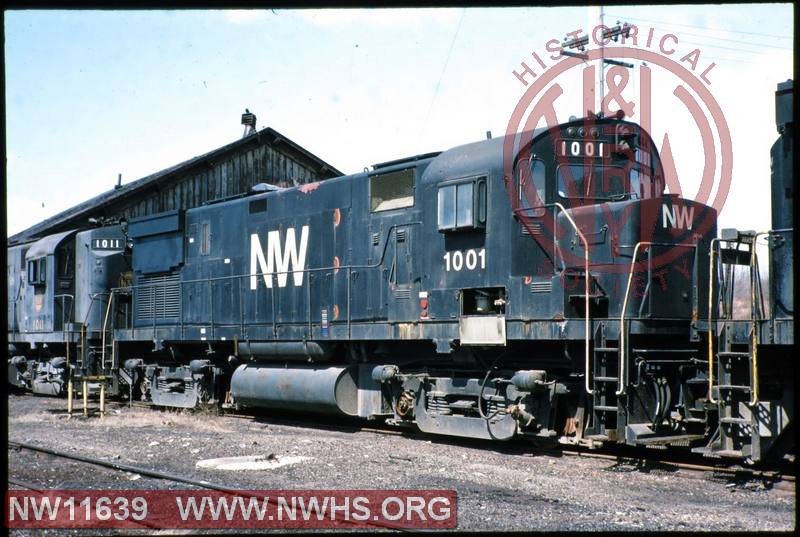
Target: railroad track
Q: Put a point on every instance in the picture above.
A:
(148, 472)
(624, 457)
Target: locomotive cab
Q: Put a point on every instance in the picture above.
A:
(592, 192)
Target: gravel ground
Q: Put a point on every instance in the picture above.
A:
(500, 486)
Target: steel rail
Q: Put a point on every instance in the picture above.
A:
(563, 449)
(121, 467)
(156, 474)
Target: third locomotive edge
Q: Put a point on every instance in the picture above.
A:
(562, 296)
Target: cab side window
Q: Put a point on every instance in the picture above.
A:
(37, 271)
(462, 205)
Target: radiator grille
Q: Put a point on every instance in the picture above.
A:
(158, 297)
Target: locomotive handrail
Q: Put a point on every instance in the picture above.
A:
(67, 333)
(710, 323)
(754, 276)
(579, 233)
(105, 321)
(93, 297)
(622, 361)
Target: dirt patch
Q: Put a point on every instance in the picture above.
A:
(499, 486)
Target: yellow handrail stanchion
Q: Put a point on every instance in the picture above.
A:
(85, 398)
(69, 395)
(753, 282)
(711, 326)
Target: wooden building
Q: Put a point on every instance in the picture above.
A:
(264, 156)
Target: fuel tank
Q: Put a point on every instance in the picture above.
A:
(314, 389)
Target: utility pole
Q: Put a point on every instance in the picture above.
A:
(602, 65)
(582, 42)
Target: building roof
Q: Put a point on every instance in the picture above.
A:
(77, 216)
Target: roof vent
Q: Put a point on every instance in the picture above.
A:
(249, 122)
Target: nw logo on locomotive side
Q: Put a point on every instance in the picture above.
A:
(277, 259)
(679, 217)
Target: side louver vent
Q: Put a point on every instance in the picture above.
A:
(542, 287)
(535, 228)
(402, 292)
(376, 239)
(401, 235)
(158, 297)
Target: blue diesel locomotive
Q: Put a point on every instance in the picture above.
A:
(543, 285)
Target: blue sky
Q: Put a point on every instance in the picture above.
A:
(90, 94)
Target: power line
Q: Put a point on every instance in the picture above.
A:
(733, 41)
(746, 51)
(704, 27)
(444, 68)
(713, 45)
(727, 59)
(746, 43)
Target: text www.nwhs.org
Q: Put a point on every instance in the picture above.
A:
(429, 509)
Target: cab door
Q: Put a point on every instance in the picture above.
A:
(391, 228)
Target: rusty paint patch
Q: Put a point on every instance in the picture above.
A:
(527, 280)
(336, 264)
(408, 330)
(337, 217)
(335, 312)
(309, 188)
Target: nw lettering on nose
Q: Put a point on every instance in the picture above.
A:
(680, 217)
(278, 260)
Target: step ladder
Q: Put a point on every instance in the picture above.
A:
(605, 387)
(733, 392)
(733, 377)
(90, 381)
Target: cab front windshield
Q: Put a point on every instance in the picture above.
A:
(594, 182)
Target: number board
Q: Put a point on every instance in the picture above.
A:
(108, 244)
(581, 148)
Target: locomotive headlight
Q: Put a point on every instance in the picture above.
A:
(595, 133)
(570, 131)
(582, 132)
